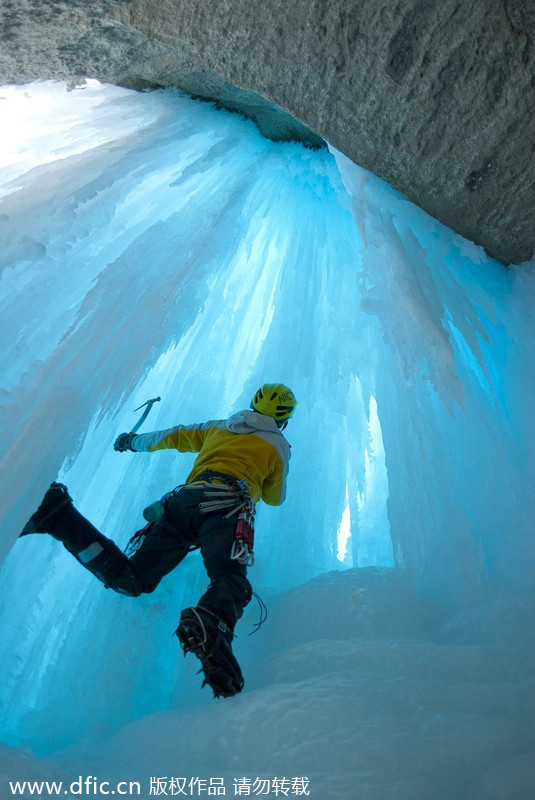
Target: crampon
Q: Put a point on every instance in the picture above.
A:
(200, 632)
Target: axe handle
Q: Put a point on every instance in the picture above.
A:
(144, 416)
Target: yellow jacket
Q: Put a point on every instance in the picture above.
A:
(247, 446)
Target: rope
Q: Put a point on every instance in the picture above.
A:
(263, 613)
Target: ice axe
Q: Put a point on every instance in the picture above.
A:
(124, 440)
(145, 414)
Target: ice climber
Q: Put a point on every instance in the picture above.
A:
(240, 460)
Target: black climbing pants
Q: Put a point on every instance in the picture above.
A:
(166, 544)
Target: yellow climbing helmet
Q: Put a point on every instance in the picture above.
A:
(275, 400)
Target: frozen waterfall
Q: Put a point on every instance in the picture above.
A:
(153, 245)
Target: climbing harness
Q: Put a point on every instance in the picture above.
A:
(232, 494)
(229, 494)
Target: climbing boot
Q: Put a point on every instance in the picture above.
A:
(52, 505)
(202, 633)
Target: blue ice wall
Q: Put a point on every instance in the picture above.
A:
(451, 382)
(187, 257)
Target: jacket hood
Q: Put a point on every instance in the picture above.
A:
(251, 421)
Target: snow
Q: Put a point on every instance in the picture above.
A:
(153, 245)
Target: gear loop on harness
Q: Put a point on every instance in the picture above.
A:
(232, 494)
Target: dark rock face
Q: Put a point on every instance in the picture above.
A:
(435, 96)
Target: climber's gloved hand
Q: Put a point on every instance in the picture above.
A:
(124, 442)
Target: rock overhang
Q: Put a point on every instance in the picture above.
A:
(434, 97)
